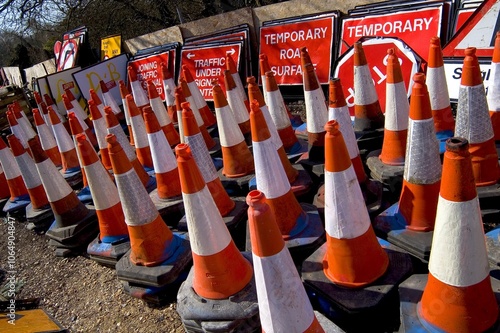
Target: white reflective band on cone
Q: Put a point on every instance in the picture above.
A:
(9, 164)
(139, 132)
(397, 108)
(229, 131)
(269, 173)
(169, 89)
(196, 111)
(202, 157)
(239, 86)
(160, 111)
(237, 105)
(196, 94)
(473, 119)
(48, 173)
(18, 132)
(63, 140)
(100, 127)
(317, 111)
(364, 90)
(438, 89)
(342, 116)
(163, 157)
(123, 141)
(104, 194)
(139, 94)
(275, 138)
(494, 88)
(31, 177)
(110, 101)
(280, 116)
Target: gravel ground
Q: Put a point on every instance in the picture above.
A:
(80, 294)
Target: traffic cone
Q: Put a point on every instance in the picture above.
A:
(237, 103)
(83, 121)
(100, 133)
(16, 128)
(76, 128)
(76, 107)
(202, 157)
(444, 124)
(179, 99)
(4, 187)
(255, 95)
(108, 99)
(139, 94)
(207, 115)
(169, 90)
(474, 124)
(209, 141)
(367, 113)
(276, 277)
(19, 197)
(279, 114)
(97, 102)
(38, 99)
(494, 89)
(46, 117)
(459, 274)
(231, 67)
(47, 139)
(23, 121)
(236, 157)
(123, 93)
(162, 115)
(396, 114)
(338, 110)
(50, 102)
(115, 129)
(142, 149)
(264, 68)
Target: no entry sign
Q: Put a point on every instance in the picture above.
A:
(414, 27)
(376, 56)
(282, 43)
(207, 64)
(148, 69)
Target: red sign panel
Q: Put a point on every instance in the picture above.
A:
(282, 43)
(414, 27)
(148, 69)
(208, 64)
(376, 56)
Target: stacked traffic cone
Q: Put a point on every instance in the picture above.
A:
(4, 188)
(220, 273)
(140, 97)
(263, 69)
(494, 89)
(162, 116)
(16, 128)
(458, 294)
(231, 67)
(167, 195)
(367, 113)
(187, 97)
(108, 99)
(236, 157)
(179, 99)
(202, 157)
(169, 91)
(80, 116)
(38, 211)
(474, 124)
(278, 278)
(47, 139)
(207, 115)
(19, 197)
(444, 124)
(76, 107)
(123, 93)
(299, 225)
(44, 111)
(50, 102)
(23, 121)
(38, 99)
(237, 104)
(100, 132)
(142, 149)
(157, 256)
(344, 272)
(112, 242)
(97, 101)
(115, 129)
(279, 114)
(75, 225)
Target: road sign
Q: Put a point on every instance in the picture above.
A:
(148, 69)
(60, 80)
(207, 64)
(282, 43)
(68, 54)
(376, 56)
(453, 72)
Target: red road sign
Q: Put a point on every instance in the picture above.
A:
(376, 55)
(68, 54)
(282, 43)
(148, 69)
(207, 64)
(414, 27)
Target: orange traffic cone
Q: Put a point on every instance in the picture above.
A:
(108, 99)
(209, 141)
(66, 147)
(474, 124)
(396, 114)
(367, 112)
(4, 187)
(19, 197)
(203, 160)
(459, 274)
(162, 115)
(353, 258)
(83, 121)
(438, 90)
(169, 90)
(231, 67)
(179, 99)
(50, 102)
(200, 103)
(338, 110)
(494, 89)
(123, 93)
(76, 128)
(77, 108)
(236, 157)
(263, 69)
(237, 103)
(47, 139)
(100, 133)
(16, 128)
(279, 114)
(276, 277)
(97, 101)
(139, 93)
(115, 129)
(38, 99)
(23, 121)
(140, 136)
(167, 175)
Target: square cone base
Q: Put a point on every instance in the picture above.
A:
(2, 204)
(170, 210)
(17, 208)
(410, 293)
(76, 235)
(236, 186)
(238, 313)
(74, 178)
(358, 310)
(327, 325)
(389, 175)
(369, 141)
(157, 276)
(493, 246)
(155, 296)
(41, 218)
(489, 197)
(391, 225)
(108, 254)
(307, 241)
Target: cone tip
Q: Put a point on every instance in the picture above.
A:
(390, 51)
(80, 137)
(332, 127)
(251, 80)
(435, 41)
(419, 78)
(456, 144)
(182, 150)
(111, 138)
(255, 198)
